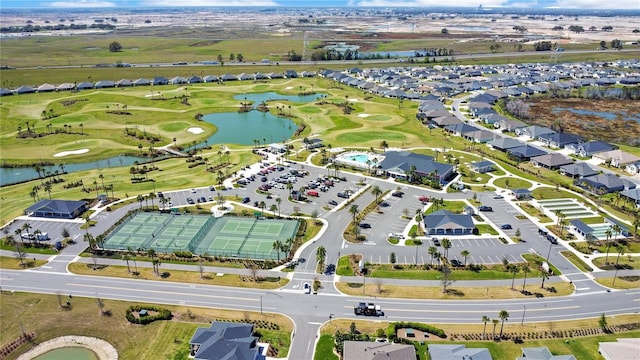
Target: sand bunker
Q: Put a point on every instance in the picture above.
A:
(103, 349)
(363, 115)
(71, 152)
(195, 130)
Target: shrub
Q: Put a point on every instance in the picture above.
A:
(162, 314)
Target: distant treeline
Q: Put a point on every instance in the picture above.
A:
(37, 28)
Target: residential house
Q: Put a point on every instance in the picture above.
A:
(277, 148)
(633, 168)
(141, 82)
(587, 149)
(404, 164)
(5, 92)
(226, 340)
(617, 158)
(85, 85)
(482, 166)
(582, 229)
(633, 195)
(443, 222)
(459, 129)
(313, 143)
(210, 79)
(102, 84)
(123, 83)
(505, 143)
(66, 87)
(178, 80)
(559, 140)
(524, 153)
(160, 80)
(533, 132)
(24, 90)
(551, 161)
(542, 353)
(444, 121)
(604, 183)
(195, 79)
(46, 88)
(622, 349)
(228, 77)
(479, 136)
(58, 209)
(457, 352)
(577, 170)
(369, 350)
(509, 125)
(521, 194)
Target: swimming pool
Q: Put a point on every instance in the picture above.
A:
(359, 159)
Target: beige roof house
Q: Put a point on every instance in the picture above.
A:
(618, 157)
(369, 350)
(623, 349)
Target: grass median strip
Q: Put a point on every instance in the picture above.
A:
(192, 277)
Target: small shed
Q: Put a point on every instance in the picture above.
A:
(521, 194)
(143, 312)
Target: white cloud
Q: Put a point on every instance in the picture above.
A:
(82, 4)
(204, 3)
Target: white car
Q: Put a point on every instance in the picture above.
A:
(306, 288)
(193, 191)
(396, 235)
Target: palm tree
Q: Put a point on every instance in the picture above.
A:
(26, 226)
(278, 246)
(504, 316)
(620, 248)
(290, 188)
(376, 191)
(636, 224)
(262, 205)
(278, 201)
(125, 258)
(91, 240)
(495, 323)
(609, 233)
(154, 261)
(432, 252)
(514, 269)
(133, 257)
(273, 208)
(384, 145)
(152, 196)
(526, 269)
(47, 188)
(465, 254)
(353, 210)
(446, 245)
(544, 275)
(321, 254)
(140, 199)
(485, 320)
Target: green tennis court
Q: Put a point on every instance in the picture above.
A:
(227, 236)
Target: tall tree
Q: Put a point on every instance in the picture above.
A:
(321, 254)
(485, 320)
(353, 210)
(504, 316)
(526, 269)
(465, 254)
(446, 245)
(278, 246)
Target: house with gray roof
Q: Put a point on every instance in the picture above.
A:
(505, 143)
(102, 84)
(141, 82)
(24, 90)
(57, 209)
(587, 149)
(482, 167)
(123, 83)
(177, 80)
(160, 80)
(459, 129)
(443, 222)
(5, 92)
(633, 168)
(577, 170)
(370, 350)
(534, 131)
(46, 88)
(524, 153)
(633, 195)
(604, 183)
(479, 136)
(509, 125)
(551, 161)
(542, 353)
(457, 352)
(66, 87)
(226, 341)
(559, 140)
(582, 229)
(398, 164)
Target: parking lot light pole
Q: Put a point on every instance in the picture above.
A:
(260, 304)
(524, 309)
(549, 252)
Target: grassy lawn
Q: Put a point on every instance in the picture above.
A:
(41, 314)
(419, 272)
(180, 276)
(622, 282)
(15, 264)
(435, 292)
(452, 206)
(486, 229)
(344, 267)
(577, 261)
(324, 349)
(512, 183)
(28, 249)
(529, 209)
(629, 262)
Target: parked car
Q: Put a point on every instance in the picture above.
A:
(343, 195)
(212, 188)
(193, 191)
(485, 208)
(397, 194)
(436, 242)
(333, 202)
(190, 201)
(365, 225)
(498, 196)
(330, 269)
(506, 227)
(398, 236)
(307, 288)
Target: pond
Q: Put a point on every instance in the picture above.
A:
(68, 353)
(243, 128)
(10, 176)
(609, 115)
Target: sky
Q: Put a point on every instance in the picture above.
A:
(569, 4)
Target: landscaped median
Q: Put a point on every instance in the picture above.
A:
(192, 277)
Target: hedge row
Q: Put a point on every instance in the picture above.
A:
(392, 330)
(162, 314)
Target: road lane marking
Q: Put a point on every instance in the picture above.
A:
(163, 292)
(471, 311)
